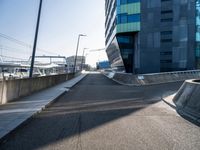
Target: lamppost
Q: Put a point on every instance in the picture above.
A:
(80, 35)
(35, 40)
(83, 58)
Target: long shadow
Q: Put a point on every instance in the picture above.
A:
(60, 124)
(77, 113)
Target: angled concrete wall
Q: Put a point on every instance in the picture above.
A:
(13, 89)
(187, 98)
(156, 78)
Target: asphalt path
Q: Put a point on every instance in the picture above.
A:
(99, 114)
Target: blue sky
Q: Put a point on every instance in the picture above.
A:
(61, 22)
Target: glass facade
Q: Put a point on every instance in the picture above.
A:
(168, 37)
(123, 21)
(198, 33)
(121, 2)
(128, 16)
(126, 45)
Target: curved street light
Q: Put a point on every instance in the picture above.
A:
(74, 68)
(35, 40)
(82, 58)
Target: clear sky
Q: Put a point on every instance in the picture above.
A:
(61, 22)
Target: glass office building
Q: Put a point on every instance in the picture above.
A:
(198, 33)
(122, 26)
(152, 36)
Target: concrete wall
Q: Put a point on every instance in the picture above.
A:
(13, 89)
(156, 78)
(187, 98)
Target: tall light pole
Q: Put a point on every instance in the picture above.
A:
(80, 35)
(82, 58)
(35, 40)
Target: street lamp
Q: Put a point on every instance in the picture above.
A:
(35, 40)
(80, 35)
(82, 58)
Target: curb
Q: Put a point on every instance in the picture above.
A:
(121, 83)
(183, 113)
(139, 84)
(168, 103)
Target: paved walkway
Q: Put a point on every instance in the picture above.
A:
(99, 114)
(14, 114)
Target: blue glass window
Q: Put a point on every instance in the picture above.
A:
(128, 1)
(134, 18)
(124, 18)
(198, 33)
(123, 39)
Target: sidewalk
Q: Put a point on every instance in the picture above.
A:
(16, 113)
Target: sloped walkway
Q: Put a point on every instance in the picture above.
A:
(16, 113)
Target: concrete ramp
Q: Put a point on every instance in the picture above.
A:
(187, 99)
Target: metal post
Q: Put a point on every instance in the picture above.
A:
(82, 58)
(74, 69)
(2, 85)
(75, 59)
(35, 41)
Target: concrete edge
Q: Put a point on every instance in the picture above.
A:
(84, 75)
(168, 100)
(142, 84)
(183, 113)
(119, 81)
(5, 137)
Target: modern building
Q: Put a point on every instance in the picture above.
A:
(80, 63)
(103, 65)
(149, 36)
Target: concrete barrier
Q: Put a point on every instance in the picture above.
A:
(187, 99)
(156, 78)
(11, 90)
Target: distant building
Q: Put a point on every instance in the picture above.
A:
(103, 65)
(80, 62)
(149, 36)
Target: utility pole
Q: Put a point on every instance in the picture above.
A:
(35, 40)
(75, 59)
(83, 58)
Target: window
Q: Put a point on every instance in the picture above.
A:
(166, 61)
(166, 12)
(128, 1)
(125, 18)
(166, 0)
(167, 20)
(166, 33)
(134, 18)
(166, 40)
(123, 39)
(166, 53)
